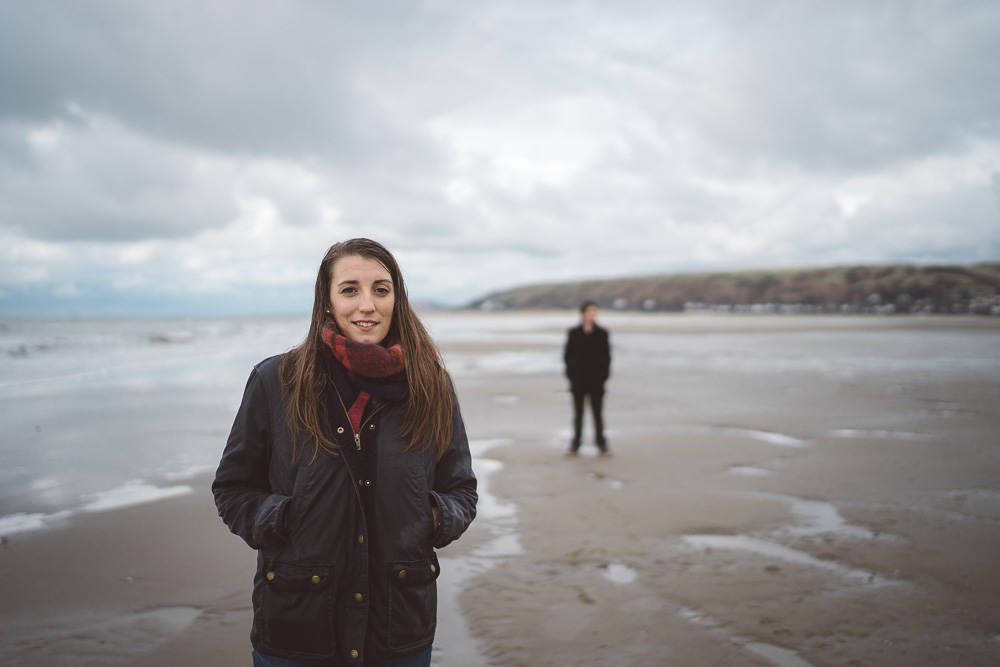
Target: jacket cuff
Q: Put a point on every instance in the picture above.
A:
(436, 502)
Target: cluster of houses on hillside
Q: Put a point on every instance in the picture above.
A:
(977, 305)
(874, 304)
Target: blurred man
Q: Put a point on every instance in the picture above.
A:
(588, 365)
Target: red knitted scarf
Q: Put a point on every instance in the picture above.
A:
(371, 368)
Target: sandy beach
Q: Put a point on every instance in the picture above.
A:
(760, 509)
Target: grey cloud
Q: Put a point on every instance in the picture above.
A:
(105, 185)
(811, 82)
(852, 84)
(282, 79)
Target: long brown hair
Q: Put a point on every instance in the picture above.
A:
(428, 405)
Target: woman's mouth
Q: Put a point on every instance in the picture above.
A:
(365, 324)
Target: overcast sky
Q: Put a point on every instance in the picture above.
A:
(199, 157)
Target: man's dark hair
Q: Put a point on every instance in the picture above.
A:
(587, 304)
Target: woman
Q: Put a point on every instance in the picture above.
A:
(347, 465)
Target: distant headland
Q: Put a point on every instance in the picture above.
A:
(883, 289)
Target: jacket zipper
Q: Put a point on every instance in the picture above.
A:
(357, 436)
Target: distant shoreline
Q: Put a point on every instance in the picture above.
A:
(878, 289)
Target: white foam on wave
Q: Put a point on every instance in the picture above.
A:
(191, 473)
(505, 400)
(131, 493)
(479, 447)
(457, 326)
(22, 522)
(523, 362)
(877, 434)
(750, 471)
(770, 437)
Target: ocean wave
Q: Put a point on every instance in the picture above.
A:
(130, 494)
(22, 522)
(770, 437)
(878, 434)
(192, 472)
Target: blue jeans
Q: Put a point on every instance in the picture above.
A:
(418, 660)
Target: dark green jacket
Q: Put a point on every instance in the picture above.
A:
(331, 582)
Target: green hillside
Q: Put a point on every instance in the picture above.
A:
(888, 288)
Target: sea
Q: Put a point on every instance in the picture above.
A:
(103, 413)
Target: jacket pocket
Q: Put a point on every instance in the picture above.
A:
(412, 602)
(297, 608)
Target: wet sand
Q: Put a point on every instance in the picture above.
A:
(753, 518)
(747, 518)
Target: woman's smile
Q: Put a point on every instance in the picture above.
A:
(365, 325)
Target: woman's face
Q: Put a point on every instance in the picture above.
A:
(362, 298)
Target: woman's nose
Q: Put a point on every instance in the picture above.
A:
(367, 304)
